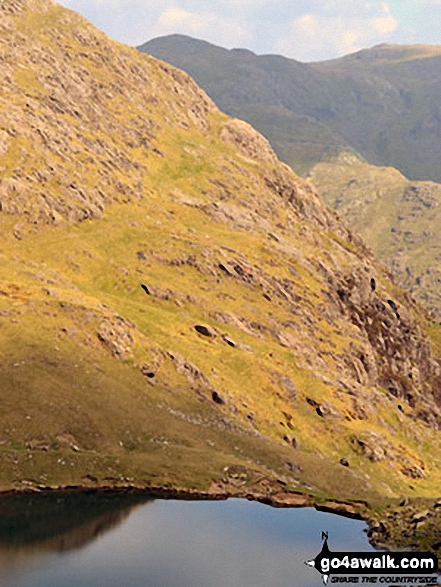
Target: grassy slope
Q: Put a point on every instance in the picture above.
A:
(76, 327)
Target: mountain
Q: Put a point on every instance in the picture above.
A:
(407, 131)
(273, 95)
(180, 310)
(399, 219)
(382, 102)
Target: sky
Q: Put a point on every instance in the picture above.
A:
(306, 30)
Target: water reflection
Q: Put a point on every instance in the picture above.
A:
(34, 526)
(61, 520)
(109, 541)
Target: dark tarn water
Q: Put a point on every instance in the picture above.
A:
(73, 540)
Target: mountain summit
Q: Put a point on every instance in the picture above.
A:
(266, 354)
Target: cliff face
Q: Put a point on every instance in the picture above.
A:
(265, 338)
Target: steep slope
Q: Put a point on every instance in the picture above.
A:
(399, 219)
(384, 102)
(266, 344)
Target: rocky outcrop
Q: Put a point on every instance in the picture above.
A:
(249, 142)
(403, 363)
(116, 335)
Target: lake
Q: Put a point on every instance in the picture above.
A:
(76, 540)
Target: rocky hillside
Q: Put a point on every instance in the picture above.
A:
(177, 307)
(399, 219)
(384, 102)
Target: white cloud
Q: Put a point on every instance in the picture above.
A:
(384, 24)
(206, 25)
(302, 29)
(177, 18)
(323, 34)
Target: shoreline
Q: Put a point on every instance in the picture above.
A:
(281, 499)
(394, 527)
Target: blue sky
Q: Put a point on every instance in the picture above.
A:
(307, 30)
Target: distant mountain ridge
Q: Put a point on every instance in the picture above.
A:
(384, 102)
